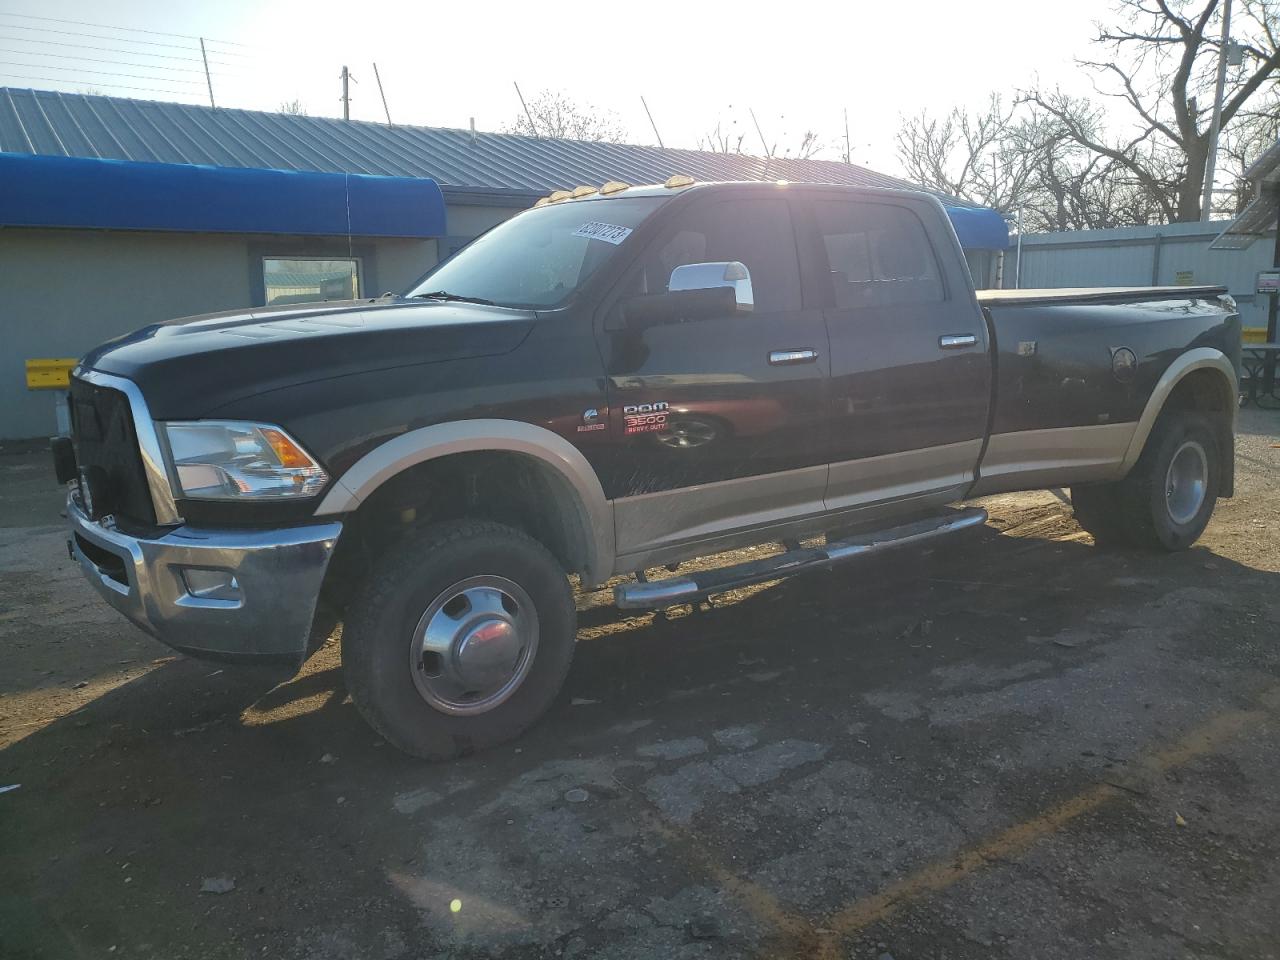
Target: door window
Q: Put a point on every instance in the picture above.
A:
(877, 254)
(756, 233)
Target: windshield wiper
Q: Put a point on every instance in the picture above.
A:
(453, 298)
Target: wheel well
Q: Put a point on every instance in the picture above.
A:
(1205, 390)
(1208, 391)
(507, 487)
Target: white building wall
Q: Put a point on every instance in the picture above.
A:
(1167, 255)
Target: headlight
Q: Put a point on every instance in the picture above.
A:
(234, 460)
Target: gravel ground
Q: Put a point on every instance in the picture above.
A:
(1014, 746)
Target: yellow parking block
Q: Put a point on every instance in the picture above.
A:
(50, 373)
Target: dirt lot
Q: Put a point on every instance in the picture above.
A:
(1019, 746)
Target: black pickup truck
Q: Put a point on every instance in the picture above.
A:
(614, 382)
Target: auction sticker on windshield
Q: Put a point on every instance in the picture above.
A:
(595, 230)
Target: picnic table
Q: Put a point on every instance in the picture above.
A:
(1259, 361)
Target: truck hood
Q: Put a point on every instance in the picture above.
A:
(193, 366)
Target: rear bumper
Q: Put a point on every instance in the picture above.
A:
(227, 594)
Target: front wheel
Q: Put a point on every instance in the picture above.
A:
(460, 638)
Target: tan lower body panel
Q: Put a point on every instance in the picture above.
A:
(869, 516)
(655, 520)
(900, 476)
(679, 524)
(1032, 459)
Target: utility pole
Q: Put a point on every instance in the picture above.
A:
(533, 127)
(848, 149)
(346, 94)
(207, 78)
(768, 154)
(651, 123)
(1215, 128)
(760, 133)
(382, 95)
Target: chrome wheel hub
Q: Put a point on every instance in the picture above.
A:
(474, 645)
(1186, 482)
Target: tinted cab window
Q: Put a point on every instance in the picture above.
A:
(877, 255)
(756, 233)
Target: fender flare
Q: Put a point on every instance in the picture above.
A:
(595, 512)
(1199, 358)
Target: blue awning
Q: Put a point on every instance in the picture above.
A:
(46, 191)
(979, 228)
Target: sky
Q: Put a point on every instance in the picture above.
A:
(799, 66)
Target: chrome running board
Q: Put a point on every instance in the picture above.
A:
(674, 590)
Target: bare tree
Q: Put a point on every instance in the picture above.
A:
(736, 134)
(1160, 64)
(959, 153)
(1020, 158)
(555, 114)
(294, 108)
(723, 139)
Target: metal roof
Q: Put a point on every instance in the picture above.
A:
(480, 165)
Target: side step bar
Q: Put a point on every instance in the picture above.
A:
(675, 590)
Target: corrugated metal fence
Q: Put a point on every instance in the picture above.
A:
(1168, 255)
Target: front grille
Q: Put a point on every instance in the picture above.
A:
(107, 452)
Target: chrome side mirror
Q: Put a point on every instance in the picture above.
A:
(712, 276)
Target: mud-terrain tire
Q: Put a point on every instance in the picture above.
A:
(455, 605)
(1172, 490)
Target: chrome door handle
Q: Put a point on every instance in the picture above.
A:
(956, 341)
(780, 358)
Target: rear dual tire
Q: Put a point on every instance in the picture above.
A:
(1166, 501)
(460, 638)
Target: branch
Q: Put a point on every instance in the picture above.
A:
(1182, 25)
(1192, 37)
(1269, 66)
(1121, 157)
(1132, 96)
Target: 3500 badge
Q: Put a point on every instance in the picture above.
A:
(644, 418)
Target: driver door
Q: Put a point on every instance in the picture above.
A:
(718, 423)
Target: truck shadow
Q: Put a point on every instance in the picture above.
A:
(632, 659)
(241, 773)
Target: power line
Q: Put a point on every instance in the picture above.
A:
(114, 63)
(114, 86)
(105, 73)
(98, 36)
(131, 53)
(107, 26)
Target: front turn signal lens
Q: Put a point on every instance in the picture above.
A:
(288, 452)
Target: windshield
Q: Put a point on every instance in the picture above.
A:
(541, 257)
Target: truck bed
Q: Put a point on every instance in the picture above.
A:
(1094, 294)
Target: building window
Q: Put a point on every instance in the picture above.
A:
(308, 279)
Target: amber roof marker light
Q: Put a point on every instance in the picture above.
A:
(614, 186)
(678, 180)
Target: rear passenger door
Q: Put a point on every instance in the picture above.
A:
(737, 401)
(910, 367)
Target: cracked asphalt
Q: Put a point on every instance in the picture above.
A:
(1016, 745)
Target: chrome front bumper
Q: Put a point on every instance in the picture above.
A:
(237, 594)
